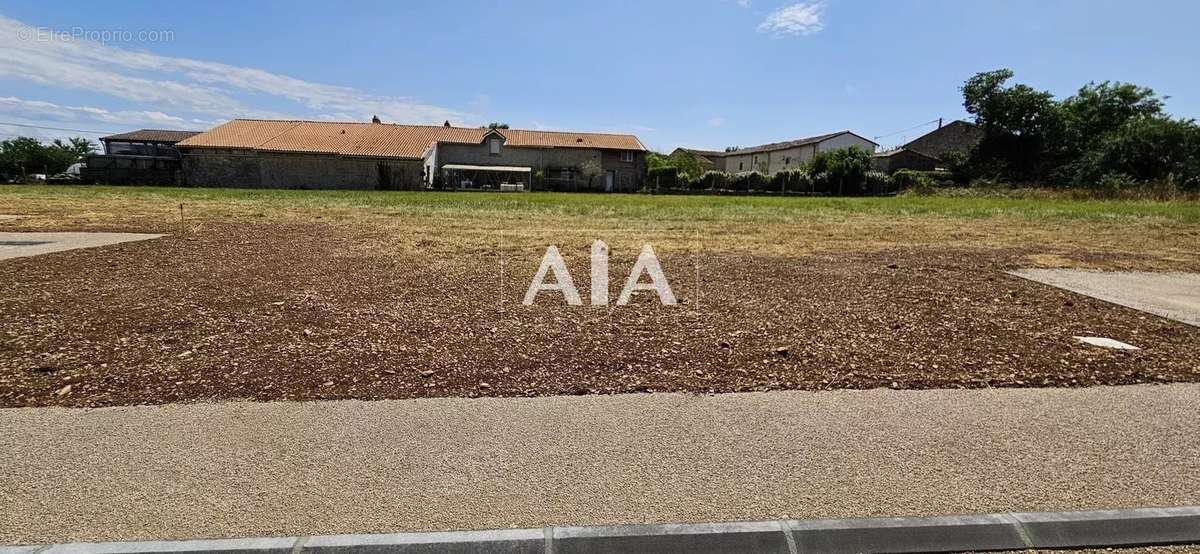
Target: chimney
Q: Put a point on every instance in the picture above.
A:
(446, 124)
(939, 123)
(375, 119)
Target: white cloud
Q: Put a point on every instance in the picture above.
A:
(715, 121)
(796, 19)
(188, 85)
(83, 115)
(743, 3)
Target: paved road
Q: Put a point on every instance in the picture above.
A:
(236, 469)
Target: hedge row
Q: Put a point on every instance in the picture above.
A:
(796, 181)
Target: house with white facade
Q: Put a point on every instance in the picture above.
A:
(779, 156)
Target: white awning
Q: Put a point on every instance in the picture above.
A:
(512, 168)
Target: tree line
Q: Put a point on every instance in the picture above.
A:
(1107, 136)
(23, 156)
(1108, 133)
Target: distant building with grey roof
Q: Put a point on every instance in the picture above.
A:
(774, 157)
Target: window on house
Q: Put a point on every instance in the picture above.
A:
(787, 160)
(627, 156)
(740, 166)
(494, 145)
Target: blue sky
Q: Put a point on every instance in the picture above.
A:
(701, 73)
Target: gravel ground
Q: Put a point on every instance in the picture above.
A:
(1181, 549)
(284, 468)
(309, 311)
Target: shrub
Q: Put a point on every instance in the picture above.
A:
(939, 178)
(747, 181)
(710, 180)
(820, 183)
(916, 181)
(666, 177)
(1111, 184)
(877, 182)
(959, 167)
(791, 180)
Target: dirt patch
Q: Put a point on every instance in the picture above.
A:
(309, 311)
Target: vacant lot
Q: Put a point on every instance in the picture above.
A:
(300, 295)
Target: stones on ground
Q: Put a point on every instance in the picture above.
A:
(783, 351)
(1105, 342)
(63, 391)
(484, 385)
(944, 322)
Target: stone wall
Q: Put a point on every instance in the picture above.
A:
(253, 169)
(129, 170)
(956, 136)
(904, 159)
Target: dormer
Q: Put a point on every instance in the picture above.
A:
(494, 140)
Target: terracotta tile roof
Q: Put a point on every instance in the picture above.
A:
(561, 139)
(239, 133)
(152, 135)
(382, 140)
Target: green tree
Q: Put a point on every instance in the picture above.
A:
(22, 156)
(1018, 122)
(684, 164)
(78, 146)
(1147, 149)
(845, 169)
(688, 166)
(1099, 109)
(495, 125)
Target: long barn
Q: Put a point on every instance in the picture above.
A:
(345, 155)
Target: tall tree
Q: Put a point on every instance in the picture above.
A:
(1018, 122)
(78, 146)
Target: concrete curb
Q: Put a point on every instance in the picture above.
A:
(982, 532)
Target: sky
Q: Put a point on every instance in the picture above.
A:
(695, 73)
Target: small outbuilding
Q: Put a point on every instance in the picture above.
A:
(142, 157)
(903, 158)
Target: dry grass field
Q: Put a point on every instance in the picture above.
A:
(273, 295)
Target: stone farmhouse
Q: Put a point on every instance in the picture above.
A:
(925, 152)
(769, 159)
(345, 155)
